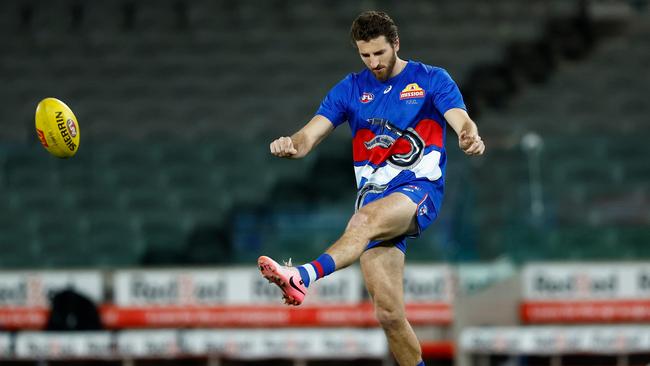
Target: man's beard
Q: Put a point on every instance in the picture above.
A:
(387, 71)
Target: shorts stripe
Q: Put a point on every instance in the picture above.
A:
(424, 198)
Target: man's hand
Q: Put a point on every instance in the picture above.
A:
(471, 143)
(468, 139)
(283, 147)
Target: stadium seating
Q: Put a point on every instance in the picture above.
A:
(177, 102)
(593, 162)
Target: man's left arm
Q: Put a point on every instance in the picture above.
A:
(468, 138)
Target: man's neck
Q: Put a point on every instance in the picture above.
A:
(399, 66)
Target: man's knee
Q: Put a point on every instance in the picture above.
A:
(369, 222)
(390, 317)
(361, 220)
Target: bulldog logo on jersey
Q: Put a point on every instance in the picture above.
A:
(411, 91)
(403, 150)
(366, 98)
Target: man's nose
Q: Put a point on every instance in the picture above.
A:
(374, 62)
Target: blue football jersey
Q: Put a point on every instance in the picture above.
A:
(398, 125)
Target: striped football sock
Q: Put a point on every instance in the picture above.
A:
(317, 269)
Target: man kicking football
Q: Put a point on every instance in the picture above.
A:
(398, 111)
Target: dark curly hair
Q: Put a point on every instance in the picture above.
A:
(372, 24)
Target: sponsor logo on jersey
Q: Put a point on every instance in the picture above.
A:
(366, 97)
(411, 91)
(388, 89)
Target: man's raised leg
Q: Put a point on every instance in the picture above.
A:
(384, 219)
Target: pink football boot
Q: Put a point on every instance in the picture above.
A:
(286, 277)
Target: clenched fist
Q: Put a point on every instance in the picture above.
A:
(283, 147)
(471, 143)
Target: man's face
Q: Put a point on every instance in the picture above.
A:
(379, 56)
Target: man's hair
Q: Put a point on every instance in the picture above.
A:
(372, 24)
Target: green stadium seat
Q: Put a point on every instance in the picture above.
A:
(112, 240)
(331, 177)
(290, 193)
(18, 250)
(582, 242)
(635, 239)
(286, 169)
(208, 244)
(110, 250)
(145, 200)
(202, 206)
(27, 156)
(89, 200)
(425, 250)
(245, 183)
(42, 200)
(182, 154)
(522, 243)
(127, 177)
(56, 253)
(78, 173)
(629, 149)
(587, 171)
(564, 147)
(31, 177)
(17, 246)
(502, 167)
(164, 238)
(29, 168)
(108, 223)
(58, 221)
(126, 155)
(201, 177)
(637, 170)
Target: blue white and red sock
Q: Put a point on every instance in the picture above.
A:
(317, 269)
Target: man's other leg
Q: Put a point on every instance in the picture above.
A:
(383, 271)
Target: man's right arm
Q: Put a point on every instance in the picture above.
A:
(303, 141)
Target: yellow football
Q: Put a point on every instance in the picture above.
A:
(57, 128)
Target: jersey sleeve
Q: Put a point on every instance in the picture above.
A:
(335, 105)
(446, 94)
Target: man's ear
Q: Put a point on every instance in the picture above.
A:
(396, 45)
